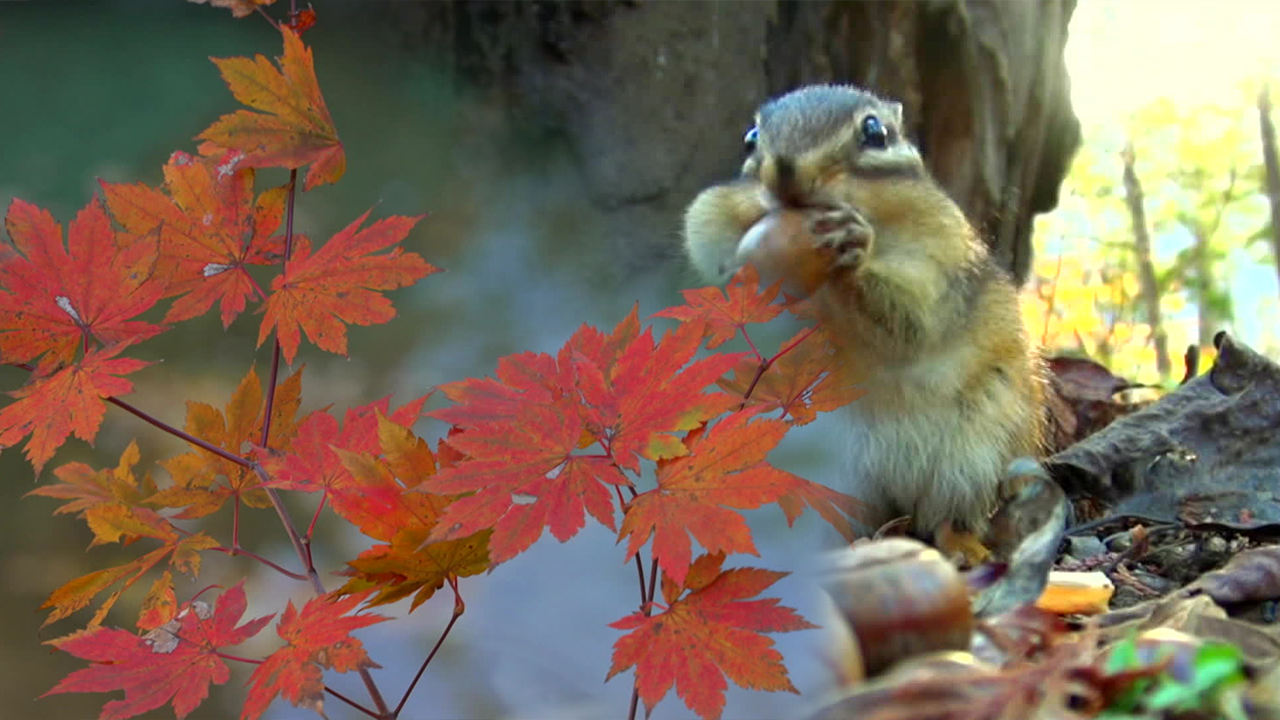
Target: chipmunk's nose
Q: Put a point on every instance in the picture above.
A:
(779, 175)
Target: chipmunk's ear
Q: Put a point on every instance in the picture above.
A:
(895, 113)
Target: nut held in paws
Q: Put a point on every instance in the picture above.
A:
(780, 247)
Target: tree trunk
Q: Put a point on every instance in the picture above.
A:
(1272, 161)
(1149, 291)
(653, 97)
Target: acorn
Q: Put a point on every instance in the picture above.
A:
(899, 598)
(781, 247)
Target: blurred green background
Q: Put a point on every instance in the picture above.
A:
(108, 90)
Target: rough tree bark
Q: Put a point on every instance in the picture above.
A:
(1149, 290)
(1272, 161)
(653, 97)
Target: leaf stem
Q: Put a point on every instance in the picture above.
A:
(459, 607)
(750, 343)
(353, 703)
(233, 551)
(647, 609)
(237, 658)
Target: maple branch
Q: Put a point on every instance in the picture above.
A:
(459, 607)
(267, 17)
(166, 427)
(275, 354)
(653, 587)
(237, 550)
(302, 548)
(639, 564)
(352, 703)
(647, 609)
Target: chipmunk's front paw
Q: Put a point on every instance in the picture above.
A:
(842, 230)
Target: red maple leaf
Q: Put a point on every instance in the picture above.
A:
(316, 639)
(68, 401)
(319, 292)
(210, 229)
(728, 311)
(523, 471)
(805, 378)
(521, 430)
(175, 663)
(637, 405)
(725, 469)
(53, 298)
(294, 127)
(315, 463)
(711, 633)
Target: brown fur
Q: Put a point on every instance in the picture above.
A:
(925, 319)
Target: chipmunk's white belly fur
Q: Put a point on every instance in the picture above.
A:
(921, 444)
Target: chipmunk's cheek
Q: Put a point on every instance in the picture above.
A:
(781, 248)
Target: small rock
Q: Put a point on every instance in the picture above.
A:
(1216, 544)
(1120, 542)
(1083, 548)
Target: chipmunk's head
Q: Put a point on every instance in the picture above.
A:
(808, 137)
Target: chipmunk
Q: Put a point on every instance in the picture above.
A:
(922, 315)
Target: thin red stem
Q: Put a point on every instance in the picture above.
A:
(254, 556)
(353, 703)
(235, 523)
(647, 609)
(751, 344)
(459, 607)
(237, 658)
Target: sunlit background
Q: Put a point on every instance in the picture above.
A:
(1179, 80)
(109, 89)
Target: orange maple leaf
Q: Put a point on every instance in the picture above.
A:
(210, 229)
(725, 469)
(337, 284)
(160, 605)
(316, 639)
(711, 633)
(109, 503)
(195, 474)
(173, 663)
(728, 311)
(805, 379)
(183, 553)
(294, 127)
(54, 298)
(83, 487)
(68, 401)
(404, 567)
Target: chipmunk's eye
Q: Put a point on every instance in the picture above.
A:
(873, 133)
(749, 140)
